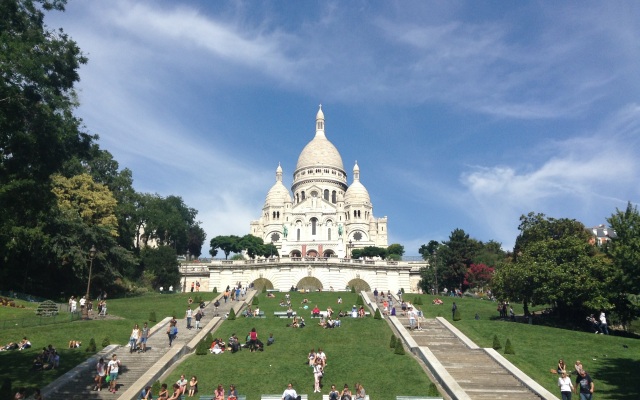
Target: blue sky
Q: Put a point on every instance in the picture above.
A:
(459, 114)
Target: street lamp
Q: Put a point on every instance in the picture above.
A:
(85, 309)
(271, 249)
(350, 248)
(435, 267)
(188, 255)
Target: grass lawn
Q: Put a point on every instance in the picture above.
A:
(538, 348)
(16, 365)
(358, 351)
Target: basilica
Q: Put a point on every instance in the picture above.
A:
(323, 215)
(315, 227)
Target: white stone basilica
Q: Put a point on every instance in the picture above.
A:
(315, 227)
(325, 217)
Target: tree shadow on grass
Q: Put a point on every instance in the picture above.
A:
(621, 374)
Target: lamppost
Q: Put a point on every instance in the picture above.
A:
(188, 255)
(85, 309)
(435, 267)
(271, 249)
(350, 248)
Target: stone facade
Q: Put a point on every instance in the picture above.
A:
(325, 217)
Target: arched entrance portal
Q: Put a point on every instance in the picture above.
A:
(295, 254)
(329, 253)
(360, 285)
(262, 283)
(312, 253)
(309, 283)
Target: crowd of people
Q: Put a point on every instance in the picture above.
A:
(188, 388)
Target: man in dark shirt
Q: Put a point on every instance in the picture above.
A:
(584, 385)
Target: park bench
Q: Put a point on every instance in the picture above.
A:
(210, 397)
(417, 398)
(282, 314)
(279, 397)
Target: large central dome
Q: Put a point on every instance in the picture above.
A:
(320, 151)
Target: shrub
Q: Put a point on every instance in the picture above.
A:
(353, 289)
(456, 315)
(232, 315)
(377, 315)
(215, 290)
(209, 338)
(402, 290)
(264, 289)
(152, 317)
(202, 349)
(419, 302)
(399, 348)
(92, 346)
(392, 343)
(359, 301)
(496, 343)
(255, 301)
(106, 342)
(508, 348)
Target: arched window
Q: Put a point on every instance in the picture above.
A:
(333, 197)
(328, 233)
(302, 195)
(298, 235)
(326, 194)
(314, 222)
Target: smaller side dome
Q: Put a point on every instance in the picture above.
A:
(357, 193)
(278, 194)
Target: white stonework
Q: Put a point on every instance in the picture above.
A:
(325, 217)
(315, 227)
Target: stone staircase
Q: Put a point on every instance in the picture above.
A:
(476, 373)
(78, 383)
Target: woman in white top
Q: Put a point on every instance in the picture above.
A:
(566, 387)
(133, 340)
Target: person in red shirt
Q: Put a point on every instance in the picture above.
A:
(315, 312)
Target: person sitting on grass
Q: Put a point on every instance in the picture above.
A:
(25, 343)
(271, 295)
(163, 394)
(193, 386)
(74, 344)
(233, 393)
(9, 346)
(176, 392)
(218, 394)
(346, 393)
(315, 312)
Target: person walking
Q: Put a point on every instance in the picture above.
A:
(144, 335)
(584, 386)
(133, 339)
(454, 307)
(604, 328)
(566, 387)
(189, 315)
(112, 370)
(101, 371)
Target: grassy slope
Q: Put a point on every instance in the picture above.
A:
(356, 352)
(538, 348)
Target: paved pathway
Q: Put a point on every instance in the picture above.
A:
(78, 383)
(477, 374)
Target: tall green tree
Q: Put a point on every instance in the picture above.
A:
(555, 264)
(38, 131)
(624, 251)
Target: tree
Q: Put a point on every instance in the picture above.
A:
(162, 262)
(555, 264)
(456, 255)
(228, 244)
(427, 250)
(38, 131)
(478, 275)
(253, 245)
(624, 247)
(395, 248)
(624, 251)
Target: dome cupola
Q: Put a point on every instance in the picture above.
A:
(357, 193)
(278, 194)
